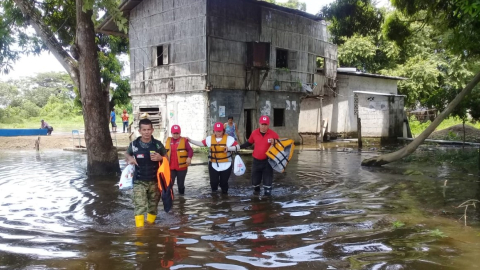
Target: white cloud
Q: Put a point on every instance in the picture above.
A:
(31, 65)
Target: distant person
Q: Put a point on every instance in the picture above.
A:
(46, 126)
(180, 154)
(262, 138)
(231, 129)
(146, 153)
(220, 161)
(125, 120)
(112, 120)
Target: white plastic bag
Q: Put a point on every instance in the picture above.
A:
(126, 180)
(238, 166)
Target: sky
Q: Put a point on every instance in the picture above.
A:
(46, 62)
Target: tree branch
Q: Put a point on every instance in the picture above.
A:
(71, 66)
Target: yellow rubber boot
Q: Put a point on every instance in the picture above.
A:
(140, 220)
(151, 218)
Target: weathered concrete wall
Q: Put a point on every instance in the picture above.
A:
(190, 112)
(178, 25)
(378, 115)
(233, 23)
(309, 117)
(266, 102)
(151, 101)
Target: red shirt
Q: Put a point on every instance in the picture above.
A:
(261, 142)
(173, 154)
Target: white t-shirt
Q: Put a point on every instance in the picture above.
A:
(221, 166)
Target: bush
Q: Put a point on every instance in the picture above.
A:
(29, 109)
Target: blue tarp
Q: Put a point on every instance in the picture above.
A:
(22, 132)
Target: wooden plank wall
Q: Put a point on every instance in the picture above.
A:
(233, 23)
(178, 24)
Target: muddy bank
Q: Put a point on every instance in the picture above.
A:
(55, 141)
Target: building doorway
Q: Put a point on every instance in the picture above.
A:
(248, 121)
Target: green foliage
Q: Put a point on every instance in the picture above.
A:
(60, 18)
(437, 233)
(456, 21)
(396, 28)
(352, 17)
(8, 93)
(397, 224)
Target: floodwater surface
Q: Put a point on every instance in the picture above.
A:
(326, 212)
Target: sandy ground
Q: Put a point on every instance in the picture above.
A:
(57, 140)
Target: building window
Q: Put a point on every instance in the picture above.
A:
(160, 55)
(278, 117)
(282, 58)
(320, 64)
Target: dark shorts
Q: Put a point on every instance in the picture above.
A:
(262, 172)
(113, 124)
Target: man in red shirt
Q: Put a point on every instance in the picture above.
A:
(262, 138)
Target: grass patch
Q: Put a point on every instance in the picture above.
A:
(416, 127)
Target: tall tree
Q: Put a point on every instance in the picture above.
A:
(350, 17)
(67, 29)
(457, 22)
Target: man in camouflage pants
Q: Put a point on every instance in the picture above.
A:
(145, 152)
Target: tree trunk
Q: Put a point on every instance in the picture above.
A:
(410, 148)
(102, 157)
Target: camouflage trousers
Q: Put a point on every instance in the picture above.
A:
(145, 197)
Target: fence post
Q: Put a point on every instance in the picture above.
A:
(359, 132)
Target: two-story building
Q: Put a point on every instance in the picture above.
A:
(195, 62)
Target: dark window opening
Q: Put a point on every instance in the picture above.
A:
(278, 117)
(282, 58)
(160, 56)
(152, 113)
(320, 64)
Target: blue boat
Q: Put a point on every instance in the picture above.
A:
(22, 132)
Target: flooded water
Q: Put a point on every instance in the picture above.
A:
(326, 212)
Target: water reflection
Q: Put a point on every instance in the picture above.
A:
(326, 212)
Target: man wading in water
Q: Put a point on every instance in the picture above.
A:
(146, 153)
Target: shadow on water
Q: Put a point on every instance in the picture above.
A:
(326, 212)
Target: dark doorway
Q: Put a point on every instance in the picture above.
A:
(248, 118)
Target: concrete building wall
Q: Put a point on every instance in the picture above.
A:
(309, 118)
(190, 112)
(157, 101)
(225, 102)
(290, 103)
(339, 106)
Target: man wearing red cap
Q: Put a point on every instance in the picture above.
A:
(180, 154)
(262, 138)
(220, 161)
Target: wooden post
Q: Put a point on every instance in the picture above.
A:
(359, 132)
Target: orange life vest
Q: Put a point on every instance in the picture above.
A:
(163, 175)
(217, 150)
(182, 153)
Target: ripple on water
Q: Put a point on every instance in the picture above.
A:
(322, 210)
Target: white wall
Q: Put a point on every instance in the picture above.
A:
(189, 111)
(339, 109)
